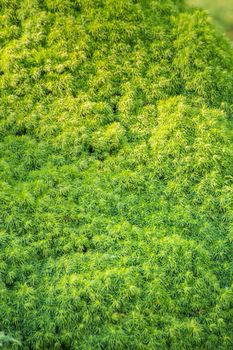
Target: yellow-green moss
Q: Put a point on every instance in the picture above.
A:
(116, 176)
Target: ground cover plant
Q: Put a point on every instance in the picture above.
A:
(116, 176)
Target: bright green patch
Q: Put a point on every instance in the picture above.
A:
(116, 176)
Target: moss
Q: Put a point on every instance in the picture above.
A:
(221, 10)
(116, 176)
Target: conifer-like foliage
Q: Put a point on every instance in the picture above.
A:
(115, 176)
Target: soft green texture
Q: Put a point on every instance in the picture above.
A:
(221, 10)
(116, 176)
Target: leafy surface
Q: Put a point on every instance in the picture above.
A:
(116, 176)
(6, 339)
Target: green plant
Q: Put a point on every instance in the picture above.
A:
(116, 176)
(221, 10)
(6, 339)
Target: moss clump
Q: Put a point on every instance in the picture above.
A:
(221, 10)
(116, 176)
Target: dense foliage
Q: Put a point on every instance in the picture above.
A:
(116, 176)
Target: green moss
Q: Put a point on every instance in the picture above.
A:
(221, 10)
(116, 176)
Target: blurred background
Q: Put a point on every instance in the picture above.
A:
(220, 10)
